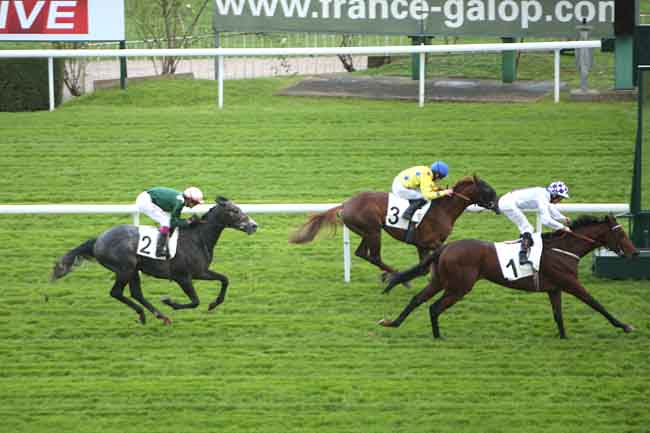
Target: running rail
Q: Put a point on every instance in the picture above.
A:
(220, 53)
(131, 209)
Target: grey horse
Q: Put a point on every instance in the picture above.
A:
(115, 249)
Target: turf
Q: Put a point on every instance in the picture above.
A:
(294, 349)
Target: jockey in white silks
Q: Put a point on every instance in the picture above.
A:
(540, 199)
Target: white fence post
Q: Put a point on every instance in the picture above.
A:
(50, 80)
(422, 77)
(557, 76)
(220, 81)
(347, 264)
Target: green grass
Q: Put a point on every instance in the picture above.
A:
(294, 349)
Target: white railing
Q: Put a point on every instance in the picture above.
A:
(121, 209)
(220, 53)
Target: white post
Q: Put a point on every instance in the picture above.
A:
(220, 80)
(538, 223)
(422, 77)
(136, 218)
(346, 254)
(557, 76)
(50, 79)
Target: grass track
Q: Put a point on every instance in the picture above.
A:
(294, 349)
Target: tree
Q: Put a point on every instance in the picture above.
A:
(167, 24)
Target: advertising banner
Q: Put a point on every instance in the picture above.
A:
(61, 20)
(501, 18)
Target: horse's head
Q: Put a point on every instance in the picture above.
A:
(615, 239)
(606, 232)
(228, 214)
(478, 192)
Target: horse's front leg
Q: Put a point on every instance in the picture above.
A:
(186, 284)
(577, 290)
(211, 275)
(555, 297)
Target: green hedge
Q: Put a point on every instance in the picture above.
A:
(24, 85)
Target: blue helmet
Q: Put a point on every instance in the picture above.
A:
(441, 168)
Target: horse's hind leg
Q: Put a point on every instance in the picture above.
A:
(427, 293)
(556, 303)
(581, 293)
(188, 288)
(117, 292)
(136, 292)
(448, 299)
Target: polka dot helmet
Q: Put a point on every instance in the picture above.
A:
(558, 189)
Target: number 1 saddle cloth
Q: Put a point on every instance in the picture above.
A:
(508, 254)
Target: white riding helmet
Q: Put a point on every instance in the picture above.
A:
(558, 189)
(194, 194)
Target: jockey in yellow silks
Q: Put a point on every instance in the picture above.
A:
(417, 185)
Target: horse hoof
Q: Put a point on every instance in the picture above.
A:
(166, 320)
(628, 328)
(211, 307)
(385, 323)
(142, 319)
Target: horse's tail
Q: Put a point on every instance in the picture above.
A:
(73, 258)
(308, 231)
(420, 269)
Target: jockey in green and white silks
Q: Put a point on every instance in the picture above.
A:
(540, 199)
(417, 185)
(164, 205)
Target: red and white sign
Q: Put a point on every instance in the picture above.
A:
(61, 20)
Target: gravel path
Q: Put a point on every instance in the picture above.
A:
(234, 68)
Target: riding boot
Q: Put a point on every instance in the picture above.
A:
(413, 206)
(408, 214)
(526, 243)
(410, 232)
(161, 246)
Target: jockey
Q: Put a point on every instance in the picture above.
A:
(417, 185)
(164, 205)
(536, 198)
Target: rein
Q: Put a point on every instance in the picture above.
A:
(463, 196)
(583, 237)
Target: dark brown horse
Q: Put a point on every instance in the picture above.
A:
(458, 265)
(365, 215)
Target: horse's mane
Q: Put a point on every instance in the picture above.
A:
(466, 179)
(582, 221)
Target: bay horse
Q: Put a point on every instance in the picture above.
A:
(115, 249)
(457, 266)
(365, 215)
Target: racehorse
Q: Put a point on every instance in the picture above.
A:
(365, 215)
(458, 265)
(116, 248)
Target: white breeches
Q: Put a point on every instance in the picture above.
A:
(147, 207)
(510, 209)
(405, 193)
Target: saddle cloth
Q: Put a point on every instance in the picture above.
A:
(148, 239)
(396, 208)
(508, 254)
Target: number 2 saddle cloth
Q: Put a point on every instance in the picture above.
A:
(148, 239)
(508, 254)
